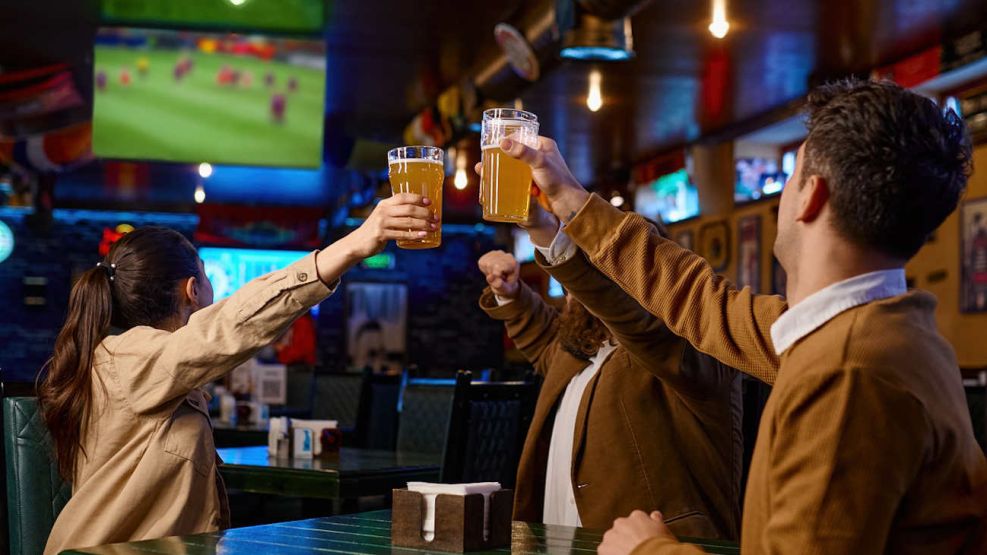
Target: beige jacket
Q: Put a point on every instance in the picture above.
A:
(865, 445)
(149, 468)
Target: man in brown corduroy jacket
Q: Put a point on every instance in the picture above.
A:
(865, 444)
(629, 415)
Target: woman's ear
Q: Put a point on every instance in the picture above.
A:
(191, 291)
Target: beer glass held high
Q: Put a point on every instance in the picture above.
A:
(505, 188)
(419, 170)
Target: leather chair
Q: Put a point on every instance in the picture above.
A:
(35, 491)
(337, 397)
(487, 428)
(425, 410)
(377, 415)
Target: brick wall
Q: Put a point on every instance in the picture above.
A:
(446, 329)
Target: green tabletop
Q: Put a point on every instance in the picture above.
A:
(365, 533)
(348, 474)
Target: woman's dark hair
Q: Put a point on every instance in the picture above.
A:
(137, 284)
(896, 163)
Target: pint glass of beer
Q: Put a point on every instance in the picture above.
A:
(419, 170)
(505, 188)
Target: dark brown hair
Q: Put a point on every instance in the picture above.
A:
(580, 333)
(895, 163)
(136, 285)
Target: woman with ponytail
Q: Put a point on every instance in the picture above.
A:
(121, 394)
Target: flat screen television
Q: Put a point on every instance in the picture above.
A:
(230, 268)
(671, 198)
(761, 177)
(183, 96)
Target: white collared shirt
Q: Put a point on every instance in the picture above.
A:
(560, 494)
(561, 249)
(560, 497)
(827, 303)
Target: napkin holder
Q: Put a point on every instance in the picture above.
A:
(458, 521)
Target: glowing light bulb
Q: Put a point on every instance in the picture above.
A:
(461, 180)
(237, 3)
(617, 201)
(205, 170)
(200, 194)
(594, 98)
(719, 26)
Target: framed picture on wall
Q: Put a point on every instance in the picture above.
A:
(749, 252)
(973, 253)
(686, 239)
(714, 244)
(376, 325)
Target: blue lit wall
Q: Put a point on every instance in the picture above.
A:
(268, 186)
(446, 328)
(172, 186)
(67, 247)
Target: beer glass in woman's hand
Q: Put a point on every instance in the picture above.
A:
(405, 216)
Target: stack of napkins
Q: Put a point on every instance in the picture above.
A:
(429, 491)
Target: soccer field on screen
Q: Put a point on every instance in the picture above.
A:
(153, 115)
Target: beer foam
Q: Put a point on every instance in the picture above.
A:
(514, 122)
(416, 161)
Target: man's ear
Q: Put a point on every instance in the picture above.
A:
(813, 197)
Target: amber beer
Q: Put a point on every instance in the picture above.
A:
(419, 170)
(505, 189)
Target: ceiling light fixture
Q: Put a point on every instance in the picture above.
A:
(205, 170)
(600, 40)
(200, 194)
(719, 26)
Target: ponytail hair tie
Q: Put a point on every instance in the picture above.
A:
(110, 269)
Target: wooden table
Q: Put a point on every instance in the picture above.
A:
(365, 533)
(349, 474)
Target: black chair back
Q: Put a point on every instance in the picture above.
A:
(337, 397)
(377, 417)
(425, 411)
(487, 430)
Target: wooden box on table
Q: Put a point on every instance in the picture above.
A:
(458, 521)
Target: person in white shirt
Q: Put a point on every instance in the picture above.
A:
(628, 415)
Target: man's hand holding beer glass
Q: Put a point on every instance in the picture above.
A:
(551, 174)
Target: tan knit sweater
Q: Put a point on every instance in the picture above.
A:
(865, 444)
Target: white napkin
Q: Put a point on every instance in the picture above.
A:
(316, 426)
(429, 491)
